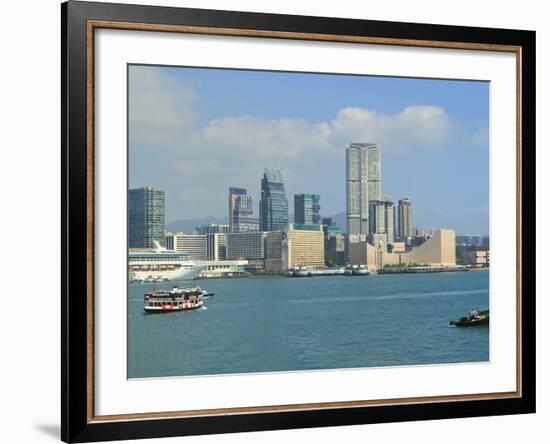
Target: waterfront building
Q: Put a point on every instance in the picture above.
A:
(404, 220)
(335, 250)
(246, 245)
(397, 247)
(241, 211)
(215, 246)
(379, 240)
(438, 250)
(381, 218)
(211, 229)
(477, 258)
(363, 183)
(305, 246)
(307, 208)
(273, 202)
(195, 245)
(146, 223)
(274, 251)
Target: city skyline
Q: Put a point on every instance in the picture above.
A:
(414, 137)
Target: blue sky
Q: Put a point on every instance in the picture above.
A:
(194, 132)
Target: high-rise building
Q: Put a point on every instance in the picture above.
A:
(363, 183)
(212, 229)
(381, 218)
(404, 219)
(273, 202)
(241, 211)
(307, 208)
(305, 246)
(145, 217)
(195, 245)
(374, 176)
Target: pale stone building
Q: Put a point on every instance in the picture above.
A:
(438, 250)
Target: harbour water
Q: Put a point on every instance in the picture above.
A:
(263, 324)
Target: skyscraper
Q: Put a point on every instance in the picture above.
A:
(404, 219)
(306, 209)
(381, 218)
(273, 202)
(241, 211)
(145, 217)
(374, 175)
(357, 196)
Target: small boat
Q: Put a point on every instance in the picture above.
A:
(177, 299)
(356, 270)
(299, 271)
(475, 317)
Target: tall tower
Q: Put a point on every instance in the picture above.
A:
(363, 183)
(273, 202)
(306, 209)
(381, 218)
(145, 217)
(404, 219)
(374, 175)
(241, 211)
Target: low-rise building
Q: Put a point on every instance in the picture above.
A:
(438, 250)
(335, 250)
(248, 245)
(478, 258)
(193, 244)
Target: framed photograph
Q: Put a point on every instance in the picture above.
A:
(275, 221)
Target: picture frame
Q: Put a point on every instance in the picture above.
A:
(80, 21)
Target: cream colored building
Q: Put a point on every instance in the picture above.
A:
(478, 258)
(438, 250)
(305, 247)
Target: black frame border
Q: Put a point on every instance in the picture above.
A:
(75, 426)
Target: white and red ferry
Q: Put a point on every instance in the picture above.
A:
(176, 299)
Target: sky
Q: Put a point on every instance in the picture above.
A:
(194, 132)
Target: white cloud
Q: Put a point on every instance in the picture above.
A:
(481, 137)
(160, 106)
(233, 151)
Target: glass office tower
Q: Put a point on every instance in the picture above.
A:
(273, 202)
(307, 209)
(241, 211)
(145, 217)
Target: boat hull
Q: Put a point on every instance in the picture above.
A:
(169, 308)
(470, 322)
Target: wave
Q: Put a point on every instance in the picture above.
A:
(367, 297)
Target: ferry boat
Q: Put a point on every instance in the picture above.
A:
(356, 270)
(159, 265)
(299, 271)
(475, 317)
(176, 299)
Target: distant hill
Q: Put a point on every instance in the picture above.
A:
(188, 225)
